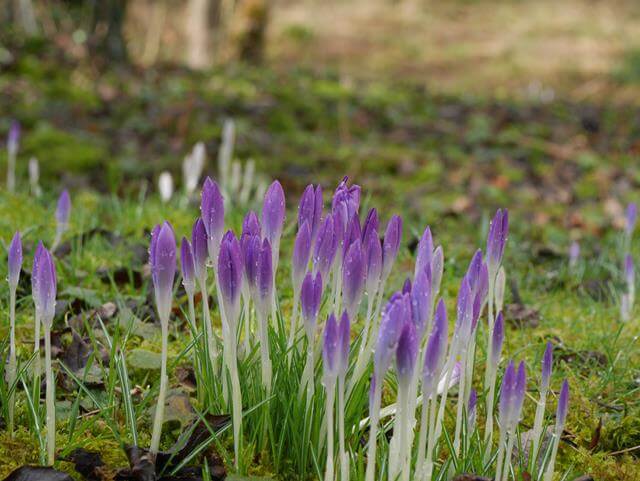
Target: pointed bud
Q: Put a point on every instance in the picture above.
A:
(435, 351)
(63, 209)
(471, 410)
(273, 210)
(371, 223)
(563, 404)
(507, 388)
(200, 250)
(44, 285)
(301, 254)
(353, 278)
(396, 313)
(230, 277)
(424, 252)
(391, 244)
(264, 282)
(310, 298)
(212, 214)
(13, 139)
(421, 301)
(547, 366)
(496, 239)
(251, 245)
(15, 261)
(310, 209)
(520, 389)
(373, 261)
(437, 267)
(162, 258)
(165, 186)
(251, 224)
(330, 351)
(498, 339)
(406, 354)
(188, 267)
(574, 254)
(325, 247)
(631, 216)
(501, 280)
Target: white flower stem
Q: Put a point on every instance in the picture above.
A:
(489, 373)
(461, 405)
(422, 438)
(374, 416)
(236, 396)
(344, 460)
(159, 416)
(293, 327)
(37, 369)
(501, 446)
(537, 428)
(548, 475)
(507, 459)
(265, 360)
(428, 469)
(50, 398)
(11, 370)
(329, 470)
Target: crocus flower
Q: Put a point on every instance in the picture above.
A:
(331, 351)
(200, 250)
(631, 216)
(396, 313)
(13, 138)
(251, 224)
(353, 278)
(310, 209)
(496, 240)
(301, 254)
(421, 301)
(165, 186)
(250, 246)
(391, 244)
(371, 223)
(547, 365)
(192, 167)
(162, 258)
(15, 261)
(373, 261)
(63, 210)
(424, 252)
(44, 283)
(230, 269)
(325, 247)
(406, 353)
(264, 280)
(435, 351)
(188, 267)
(498, 338)
(344, 332)
(273, 214)
(310, 297)
(346, 201)
(212, 214)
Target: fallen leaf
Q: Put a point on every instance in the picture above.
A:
(88, 464)
(37, 473)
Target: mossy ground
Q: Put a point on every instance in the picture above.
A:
(564, 170)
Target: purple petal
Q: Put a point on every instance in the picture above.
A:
(373, 260)
(200, 252)
(273, 210)
(44, 284)
(63, 209)
(15, 260)
(344, 330)
(396, 313)
(301, 254)
(310, 297)
(631, 216)
(330, 347)
(421, 300)
(163, 266)
(353, 278)
(325, 247)
(212, 213)
(563, 404)
(188, 267)
(251, 224)
(265, 274)
(371, 223)
(424, 252)
(547, 366)
(391, 244)
(406, 353)
(310, 208)
(435, 350)
(498, 338)
(230, 269)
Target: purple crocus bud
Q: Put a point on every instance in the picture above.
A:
(520, 389)
(352, 233)
(371, 223)
(437, 267)
(251, 224)
(373, 261)
(498, 339)
(496, 239)
(310, 208)
(631, 216)
(435, 350)
(406, 353)
(421, 301)
(162, 257)
(63, 209)
(325, 247)
(301, 254)
(346, 200)
(310, 297)
(264, 281)
(44, 285)
(212, 214)
(200, 250)
(13, 138)
(563, 404)
(464, 313)
(330, 351)
(424, 252)
(406, 287)
(273, 213)
(344, 332)
(629, 272)
(505, 408)
(547, 365)
(574, 253)
(250, 249)
(396, 313)
(15, 261)
(230, 276)
(353, 278)
(188, 267)
(391, 244)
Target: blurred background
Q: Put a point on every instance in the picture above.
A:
(444, 108)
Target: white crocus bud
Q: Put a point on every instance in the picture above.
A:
(165, 186)
(34, 176)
